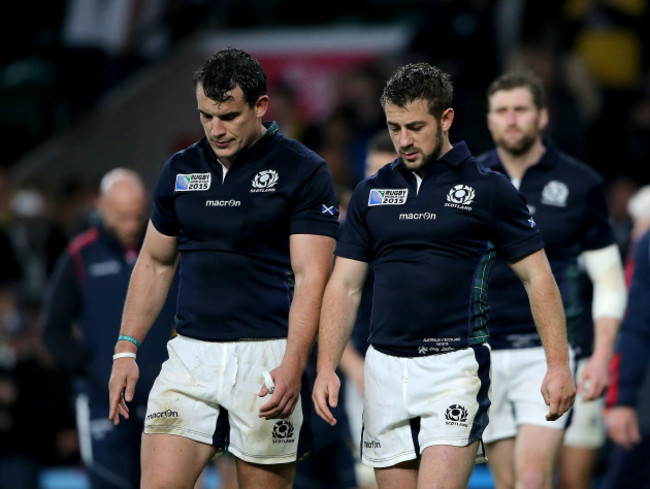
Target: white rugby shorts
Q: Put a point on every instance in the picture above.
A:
(413, 403)
(517, 377)
(587, 428)
(208, 392)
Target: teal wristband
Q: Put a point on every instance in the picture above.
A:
(129, 338)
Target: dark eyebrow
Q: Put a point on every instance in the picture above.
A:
(408, 124)
(227, 115)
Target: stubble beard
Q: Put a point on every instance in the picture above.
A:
(518, 147)
(429, 159)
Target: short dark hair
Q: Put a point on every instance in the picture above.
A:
(419, 81)
(228, 68)
(510, 81)
(381, 142)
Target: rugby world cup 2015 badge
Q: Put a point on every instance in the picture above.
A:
(188, 182)
(388, 196)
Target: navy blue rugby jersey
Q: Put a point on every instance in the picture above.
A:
(567, 200)
(235, 270)
(433, 250)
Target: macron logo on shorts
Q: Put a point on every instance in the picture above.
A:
(163, 414)
(188, 182)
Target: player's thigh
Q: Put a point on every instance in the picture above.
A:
(446, 467)
(536, 450)
(254, 476)
(582, 440)
(172, 462)
(403, 475)
(587, 429)
(501, 459)
(576, 467)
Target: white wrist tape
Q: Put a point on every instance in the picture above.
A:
(268, 381)
(126, 354)
(605, 269)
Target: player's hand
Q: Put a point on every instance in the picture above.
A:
(594, 380)
(559, 391)
(623, 426)
(121, 387)
(326, 395)
(285, 394)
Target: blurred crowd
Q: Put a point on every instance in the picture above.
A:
(593, 56)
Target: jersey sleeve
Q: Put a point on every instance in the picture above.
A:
(315, 205)
(354, 240)
(596, 231)
(512, 229)
(163, 215)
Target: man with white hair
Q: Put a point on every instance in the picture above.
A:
(86, 295)
(638, 207)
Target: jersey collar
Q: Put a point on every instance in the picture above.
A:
(457, 154)
(548, 159)
(271, 130)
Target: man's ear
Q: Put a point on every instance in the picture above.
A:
(446, 119)
(261, 106)
(543, 118)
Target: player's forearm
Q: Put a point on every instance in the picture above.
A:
(311, 261)
(337, 321)
(303, 323)
(148, 289)
(548, 313)
(605, 332)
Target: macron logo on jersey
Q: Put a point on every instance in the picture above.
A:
(388, 196)
(189, 182)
